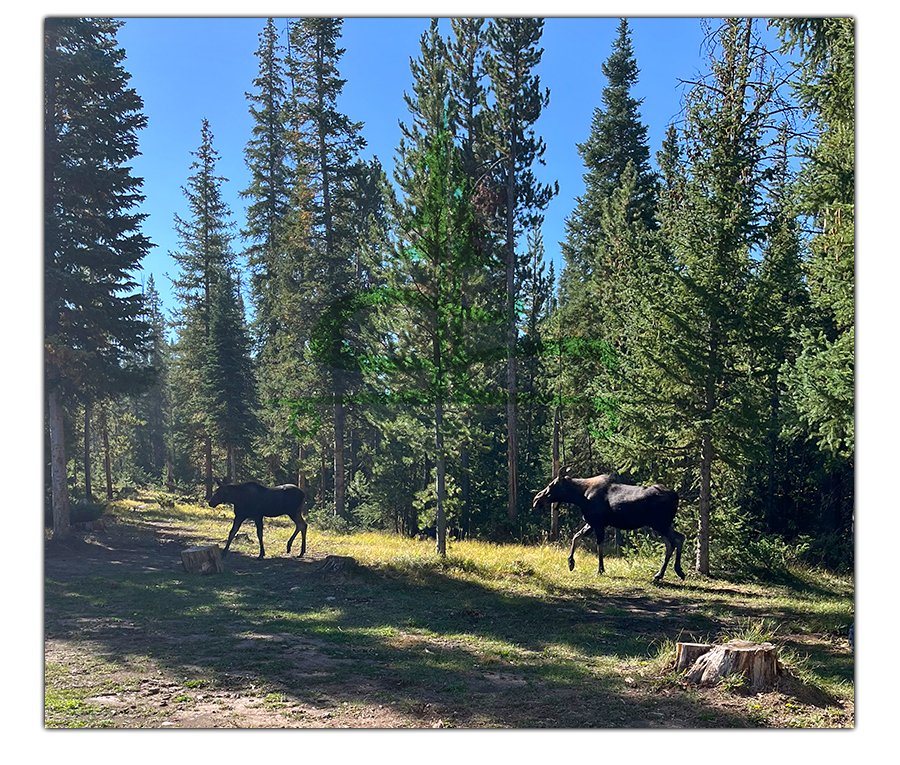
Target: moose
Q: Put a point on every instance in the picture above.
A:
(252, 500)
(605, 501)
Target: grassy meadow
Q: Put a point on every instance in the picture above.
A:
(492, 636)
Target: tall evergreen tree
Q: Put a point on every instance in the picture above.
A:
(330, 144)
(95, 336)
(518, 101)
(601, 268)
(278, 254)
(821, 382)
(205, 257)
(153, 407)
(710, 397)
(227, 383)
(617, 137)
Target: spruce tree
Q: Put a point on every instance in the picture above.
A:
(278, 253)
(204, 258)
(517, 105)
(601, 269)
(153, 407)
(617, 137)
(227, 383)
(95, 334)
(709, 400)
(330, 143)
(821, 381)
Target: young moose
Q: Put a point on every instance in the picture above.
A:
(250, 500)
(606, 502)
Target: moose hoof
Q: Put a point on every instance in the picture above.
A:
(571, 564)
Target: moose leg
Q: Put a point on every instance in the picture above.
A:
(600, 532)
(578, 535)
(234, 529)
(259, 527)
(679, 543)
(669, 547)
(673, 541)
(300, 526)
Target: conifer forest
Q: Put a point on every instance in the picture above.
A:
(394, 338)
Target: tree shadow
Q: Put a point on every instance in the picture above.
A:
(424, 641)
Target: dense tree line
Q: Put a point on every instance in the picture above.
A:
(409, 357)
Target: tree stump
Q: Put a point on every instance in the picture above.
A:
(758, 662)
(687, 653)
(202, 560)
(337, 563)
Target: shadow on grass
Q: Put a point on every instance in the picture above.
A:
(423, 641)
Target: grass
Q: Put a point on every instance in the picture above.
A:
(490, 635)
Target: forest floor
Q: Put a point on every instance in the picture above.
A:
(493, 636)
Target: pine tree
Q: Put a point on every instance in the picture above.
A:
(153, 408)
(518, 101)
(821, 382)
(94, 332)
(330, 144)
(279, 236)
(436, 279)
(617, 137)
(204, 258)
(709, 394)
(603, 259)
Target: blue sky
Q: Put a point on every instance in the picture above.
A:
(187, 69)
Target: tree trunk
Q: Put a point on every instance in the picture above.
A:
(758, 662)
(208, 469)
(107, 466)
(465, 486)
(512, 447)
(87, 453)
(301, 473)
(170, 476)
(554, 508)
(441, 520)
(323, 470)
(232, 464)
(59, 489)
(704, 504)
(339, 483)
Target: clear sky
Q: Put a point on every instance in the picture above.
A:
(187, 69)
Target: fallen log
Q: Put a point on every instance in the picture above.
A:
(758, 662)
(202, 560)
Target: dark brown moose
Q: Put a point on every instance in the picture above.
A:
(251, 500)
(606, 502)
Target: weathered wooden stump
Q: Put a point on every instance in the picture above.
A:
(334, 564)
(687, 653)
(758, 662)
(202, 560)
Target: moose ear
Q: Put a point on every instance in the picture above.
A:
(564, 472)
(219, 482)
